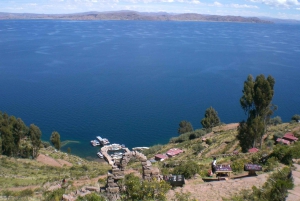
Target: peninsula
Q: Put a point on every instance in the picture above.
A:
(133, 15)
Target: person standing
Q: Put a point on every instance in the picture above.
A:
(213, 165)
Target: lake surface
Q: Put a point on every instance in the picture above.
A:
(133, 82)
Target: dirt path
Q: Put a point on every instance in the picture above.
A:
(215, 191)
(294, 195)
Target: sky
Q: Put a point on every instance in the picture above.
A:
(284, 9)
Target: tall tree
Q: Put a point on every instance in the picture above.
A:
(211, 118)
(35, 136)
(55, 140)
(184, 127)
(257, 104)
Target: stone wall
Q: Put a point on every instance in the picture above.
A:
(118, 171)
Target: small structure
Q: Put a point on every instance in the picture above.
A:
(174, 152)
(161, 157)
(253, 150)
(287, 139)
(175, 180)
(252, 168)
(283, 141)
(223, 171)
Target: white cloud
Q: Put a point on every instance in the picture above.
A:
(242, 6)
(278, 3)
(297, 8)
(218, 4)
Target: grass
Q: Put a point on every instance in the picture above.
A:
(25, 172)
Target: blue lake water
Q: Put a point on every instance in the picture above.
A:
(133, 82)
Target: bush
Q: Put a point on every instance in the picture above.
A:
(198, 148)
(283, 153)
(271, 164)
(238, 165)
(187, 169)
(209, 141)
(137, 189)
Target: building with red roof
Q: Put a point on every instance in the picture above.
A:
(283, 141)
(174, 152)
(290, 137)
(253, 150)
(287, 139)
(161, 157)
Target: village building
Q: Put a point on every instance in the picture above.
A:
(253, 150)
(287, 139)
(174, 152)
(161, 157)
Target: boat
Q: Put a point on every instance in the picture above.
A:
(102, 141)
(100, 155)
(95, 143)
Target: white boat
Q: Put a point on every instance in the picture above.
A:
(103, 141)
(100, 155)
(95, 143)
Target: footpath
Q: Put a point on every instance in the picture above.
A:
(294, 195)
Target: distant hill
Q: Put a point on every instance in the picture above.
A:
(133, 15)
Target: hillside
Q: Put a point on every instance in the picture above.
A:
(132, 15)
(44, 175)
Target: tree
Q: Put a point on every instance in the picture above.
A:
(35, 136)
(210, 119)
(295, 118)
(257, 105)
(275, 121)
(184, 127)
(55, 140)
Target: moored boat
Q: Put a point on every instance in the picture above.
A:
(95, 143)
(100, 155)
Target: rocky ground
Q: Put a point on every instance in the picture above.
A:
(216, 190)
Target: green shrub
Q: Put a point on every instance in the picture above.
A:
(198, 148)
(283, 153)
(238, 165)
(209, 141)
(271, 164)
(137, 189)
(187, 169)
(54, 195)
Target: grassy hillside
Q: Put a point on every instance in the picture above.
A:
(17, 176)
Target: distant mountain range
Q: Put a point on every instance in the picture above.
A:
(133, 15)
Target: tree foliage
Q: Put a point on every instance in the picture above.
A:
(35, 136)
(295, 118)
(257, 105)
(275, 121)
(16, 139)
(55, 140)
(184, 127)
(211, 118)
